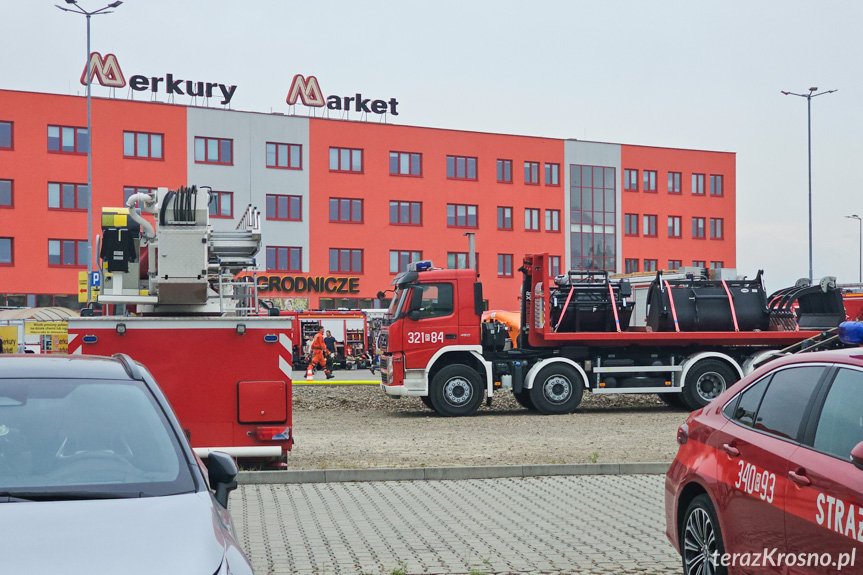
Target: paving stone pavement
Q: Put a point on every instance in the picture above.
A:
(598, 524)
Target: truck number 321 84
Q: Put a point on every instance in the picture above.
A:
(424, 337)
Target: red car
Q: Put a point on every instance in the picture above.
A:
(768, 477)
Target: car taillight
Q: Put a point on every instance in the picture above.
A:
(273, 433)
(683, 434)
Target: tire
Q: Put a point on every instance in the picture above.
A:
(456, 391)
(672, 399)
(523, 399)
(557, 389)
(705, 381)
(427, 402)
(701, 538)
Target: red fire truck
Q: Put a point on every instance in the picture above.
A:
(181, 310)
(574, 335)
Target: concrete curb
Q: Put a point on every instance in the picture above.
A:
(448, 473)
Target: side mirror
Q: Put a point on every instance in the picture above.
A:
(222, 470)
(857, 455)
(381, 295)
(414, 315)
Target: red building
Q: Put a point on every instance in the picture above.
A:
(353, 201)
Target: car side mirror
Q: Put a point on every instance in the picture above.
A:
(222, 470)
(857, 455)
(414, 315)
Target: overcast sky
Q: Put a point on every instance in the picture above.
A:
(684, 74)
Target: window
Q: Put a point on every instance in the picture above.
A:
(716, 265)
(593, 217)
(673, 226)
(68, 140)
(699, 264)
(346, 210)
(531, 173)
(715, 185)
(288, 208)
(284, 156)
(460, 168)
(399, 260)
(649, 226)
(785, 401)
(406, 213)
(459, 260)
(222, 205)
(436, 301)
(650, 181)
(284, 259)
(405, 164)
(552, 174)
(504, 171)
(747, 404)
(675, 264)
(554, 266)
(6, 258)
(716, 228)
(674, 182)
(630, 266)
(531, 219)
(346, 260)
(142, 145)
(630, 224)
(68, 196)
(552, 220)
(650, 265)
(697, 184)
(698, 228)
(461, 216)
(67, 252)
(840, 427)
(630, 180)
(5, 135)
(129, 191)
(6, 194)
(214, 151)
(346, 160)
(504, 265)
(504, 218)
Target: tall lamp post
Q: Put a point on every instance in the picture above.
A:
(78, 10)
(808, 97)
(860, 255)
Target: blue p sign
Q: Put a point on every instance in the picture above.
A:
(95, 279)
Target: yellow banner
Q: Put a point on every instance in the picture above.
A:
(82, 287)
(46, 328)
(9, 335)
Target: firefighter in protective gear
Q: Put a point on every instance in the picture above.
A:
(320, 357)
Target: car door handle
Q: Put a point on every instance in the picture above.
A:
(799, 477)
(730, 450)
(450, 336)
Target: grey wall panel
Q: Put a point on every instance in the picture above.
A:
(249, 178)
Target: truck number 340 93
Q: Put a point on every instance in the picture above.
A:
(425, 337)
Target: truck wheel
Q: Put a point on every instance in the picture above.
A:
(705, 381)
(455, 391)
(523, 399)
(427, 402)
(672, 399)
(556, 389)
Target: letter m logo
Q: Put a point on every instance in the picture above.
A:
(106, 70)
(307, 90)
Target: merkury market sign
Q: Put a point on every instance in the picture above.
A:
(108, 73)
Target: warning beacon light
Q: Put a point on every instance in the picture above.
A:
(851, 332)
(420, 266)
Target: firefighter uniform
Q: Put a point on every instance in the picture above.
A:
(320, 357)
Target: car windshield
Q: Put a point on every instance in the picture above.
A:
(398, 302)
(87, 437)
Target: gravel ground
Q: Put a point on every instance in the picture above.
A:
(358, 426)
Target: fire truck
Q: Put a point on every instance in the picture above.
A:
(574, 334)
(183, 312)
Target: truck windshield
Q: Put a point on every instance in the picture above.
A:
(397, 305)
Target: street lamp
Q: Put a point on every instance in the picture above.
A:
(78, 10)
(859, 221)
(808, 97)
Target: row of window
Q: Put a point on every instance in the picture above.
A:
(649, 226)
(60, 252)
(649, 179)
(631, 265)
